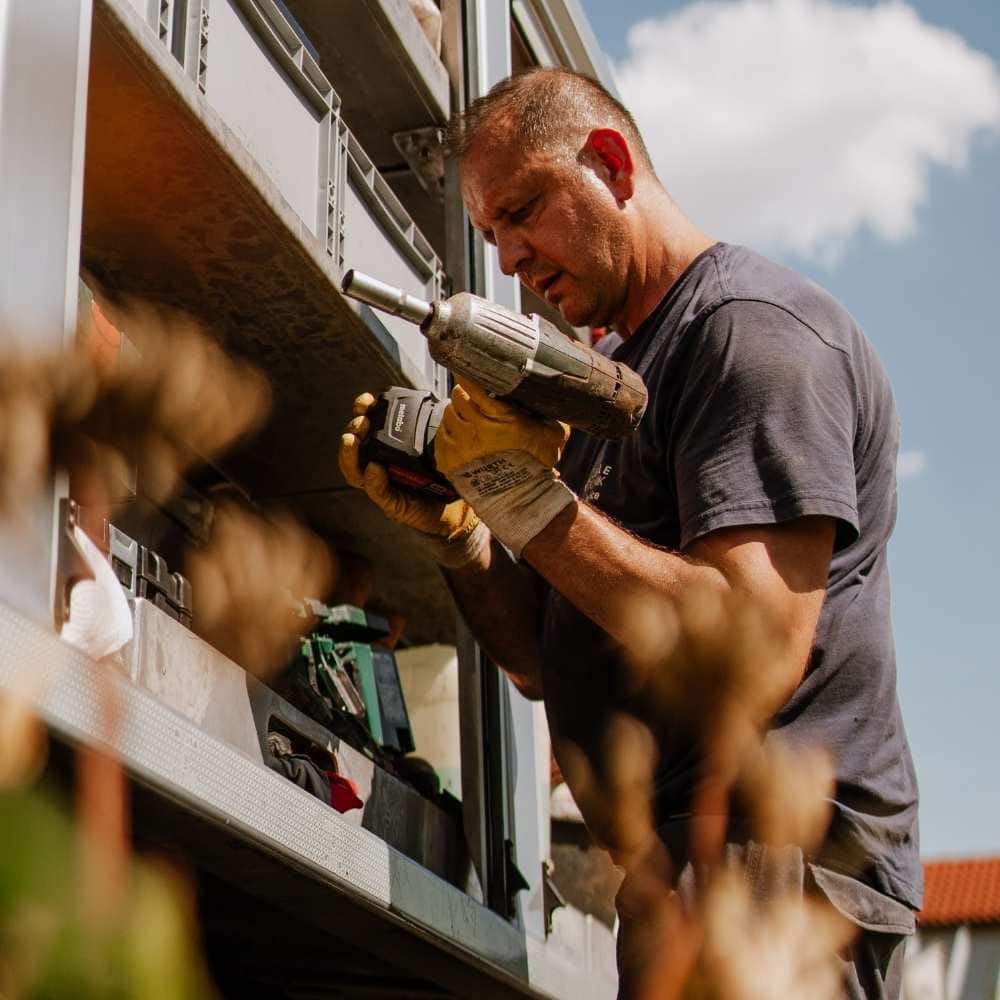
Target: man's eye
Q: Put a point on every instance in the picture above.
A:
(523, 212)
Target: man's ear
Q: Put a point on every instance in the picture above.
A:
(610, 149)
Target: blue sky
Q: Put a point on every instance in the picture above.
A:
(905, 234)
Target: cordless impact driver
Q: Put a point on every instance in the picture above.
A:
(523, 359)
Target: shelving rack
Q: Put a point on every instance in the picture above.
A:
(232, 157)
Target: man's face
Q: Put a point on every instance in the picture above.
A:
(555, 224)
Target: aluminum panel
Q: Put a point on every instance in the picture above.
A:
(585, 974)
(489, 54)
(142, 6)
(175, 755)
(160, 16)
(43, 99)
(379, 237)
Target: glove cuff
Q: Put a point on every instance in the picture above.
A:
(459, 552)
(514, 494)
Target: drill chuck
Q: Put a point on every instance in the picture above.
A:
(388, 298)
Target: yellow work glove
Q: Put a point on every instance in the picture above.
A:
(501, 459)
(451, 532)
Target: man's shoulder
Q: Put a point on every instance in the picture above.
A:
(735, 303)
(747, 277)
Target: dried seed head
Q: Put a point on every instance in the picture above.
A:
(784, 947)
(23, 739)
(788, 793)
(176, 402)
(245, 582)
(617, 800)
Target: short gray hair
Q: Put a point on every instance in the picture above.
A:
(536, 107)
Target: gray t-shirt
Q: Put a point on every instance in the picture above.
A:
(767, 403)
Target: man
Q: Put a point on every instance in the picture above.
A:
(764, 467)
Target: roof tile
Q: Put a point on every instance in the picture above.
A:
(961, 891)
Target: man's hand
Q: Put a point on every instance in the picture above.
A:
(502, 459)
(451, 532)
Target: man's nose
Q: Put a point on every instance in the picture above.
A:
(514, 252)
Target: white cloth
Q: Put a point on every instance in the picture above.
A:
(100, 621)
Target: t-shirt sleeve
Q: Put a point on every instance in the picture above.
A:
(765, 425)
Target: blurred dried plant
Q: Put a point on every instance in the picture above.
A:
(179, 401)
(787, 793)
(176, 401)
(707, 932)
(23, 740)
(50, 945)
(78, 915)
(245, 580)
(102, 812)
(787, 946)
(712, 657)
(618, 804)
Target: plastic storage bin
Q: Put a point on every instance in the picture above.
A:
(380, 238)
(262, 80)
(258, 73)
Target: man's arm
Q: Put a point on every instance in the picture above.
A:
(501, 460)
(499, 602)
(781, 569)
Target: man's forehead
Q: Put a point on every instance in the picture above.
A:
(492, 180)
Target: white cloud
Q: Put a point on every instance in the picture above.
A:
(910, 464)
(792, 124)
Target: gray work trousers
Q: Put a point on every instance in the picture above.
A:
(873, 964)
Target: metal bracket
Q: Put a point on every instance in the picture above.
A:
(423, 150)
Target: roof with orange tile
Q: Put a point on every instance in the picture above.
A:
(961, 891)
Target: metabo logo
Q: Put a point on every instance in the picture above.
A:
(397, 424)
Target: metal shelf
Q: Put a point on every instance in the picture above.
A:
(176, 208)
(323, 860)
(195, 194)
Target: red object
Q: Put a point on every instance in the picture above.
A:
(961, 891)
(608, 146)
(343, 793)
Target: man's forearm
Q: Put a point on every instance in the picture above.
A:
(499, 604)
(602, 569)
